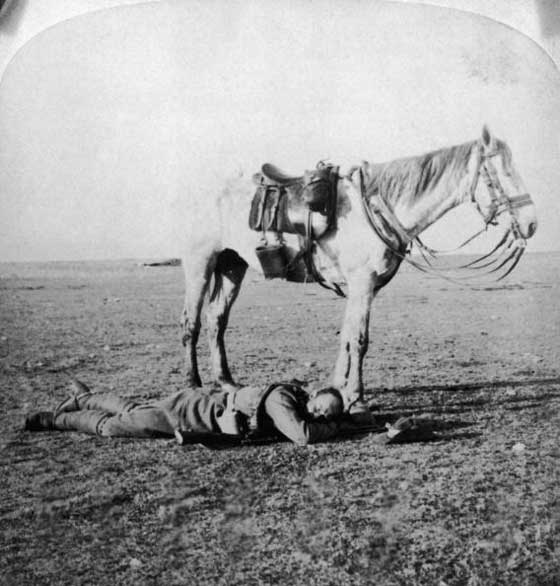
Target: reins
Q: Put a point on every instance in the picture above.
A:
(404, 249)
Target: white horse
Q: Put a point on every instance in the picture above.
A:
(381, 209)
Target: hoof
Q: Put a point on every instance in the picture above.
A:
(360, 413)
(193, 381)
(229, 387)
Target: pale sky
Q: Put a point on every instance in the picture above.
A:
(105, 117)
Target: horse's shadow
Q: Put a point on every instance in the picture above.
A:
(471, 387)
(451, 406)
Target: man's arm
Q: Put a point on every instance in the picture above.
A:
(282, 407)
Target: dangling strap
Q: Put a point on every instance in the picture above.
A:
(333, 198)
(308, 259)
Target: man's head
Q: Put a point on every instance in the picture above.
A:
(326, 403)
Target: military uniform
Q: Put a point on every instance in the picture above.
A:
(278, 409)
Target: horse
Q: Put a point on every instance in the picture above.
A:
(380, 210)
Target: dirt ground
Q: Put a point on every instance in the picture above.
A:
(479, 506)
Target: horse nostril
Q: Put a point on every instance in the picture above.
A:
(531, 229)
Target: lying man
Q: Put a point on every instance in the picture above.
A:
(283, 409)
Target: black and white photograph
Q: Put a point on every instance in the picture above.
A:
(279, 289)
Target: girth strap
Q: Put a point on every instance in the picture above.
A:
(308, 258)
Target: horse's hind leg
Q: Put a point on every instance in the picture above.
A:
(228, 275)
(197, 278)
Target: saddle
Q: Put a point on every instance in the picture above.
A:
(276, 175)
(269, 208)
(274, 208)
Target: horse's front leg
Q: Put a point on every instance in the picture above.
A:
(354, 341)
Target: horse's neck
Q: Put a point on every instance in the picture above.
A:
(420, 208)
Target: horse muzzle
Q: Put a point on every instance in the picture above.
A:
(523, 215)
(531, 229)
(526, 218)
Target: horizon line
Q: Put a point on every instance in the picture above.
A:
(169, 258)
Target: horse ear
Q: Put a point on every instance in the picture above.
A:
(487, 137)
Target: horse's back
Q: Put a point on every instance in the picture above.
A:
(215, 211)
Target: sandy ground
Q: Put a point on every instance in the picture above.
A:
(479, 506)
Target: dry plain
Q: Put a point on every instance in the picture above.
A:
(478, 506)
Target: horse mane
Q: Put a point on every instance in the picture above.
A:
(410, 177)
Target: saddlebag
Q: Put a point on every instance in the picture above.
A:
(273, 259)
(279, 261)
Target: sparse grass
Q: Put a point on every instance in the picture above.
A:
(466, 510)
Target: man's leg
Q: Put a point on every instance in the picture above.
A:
(141, 421)
(96, 402)
(79, 391)
(84, 421)
(109, 403)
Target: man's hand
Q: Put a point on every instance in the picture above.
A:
(231, 422)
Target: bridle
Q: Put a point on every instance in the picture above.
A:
(387, 226)
(500, 202)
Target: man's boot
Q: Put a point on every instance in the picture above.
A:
(41, 421)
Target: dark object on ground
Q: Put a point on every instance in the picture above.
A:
(172, 262)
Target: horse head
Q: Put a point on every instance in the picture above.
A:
(497, 189)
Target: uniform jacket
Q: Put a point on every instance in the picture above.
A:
(277, 409)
